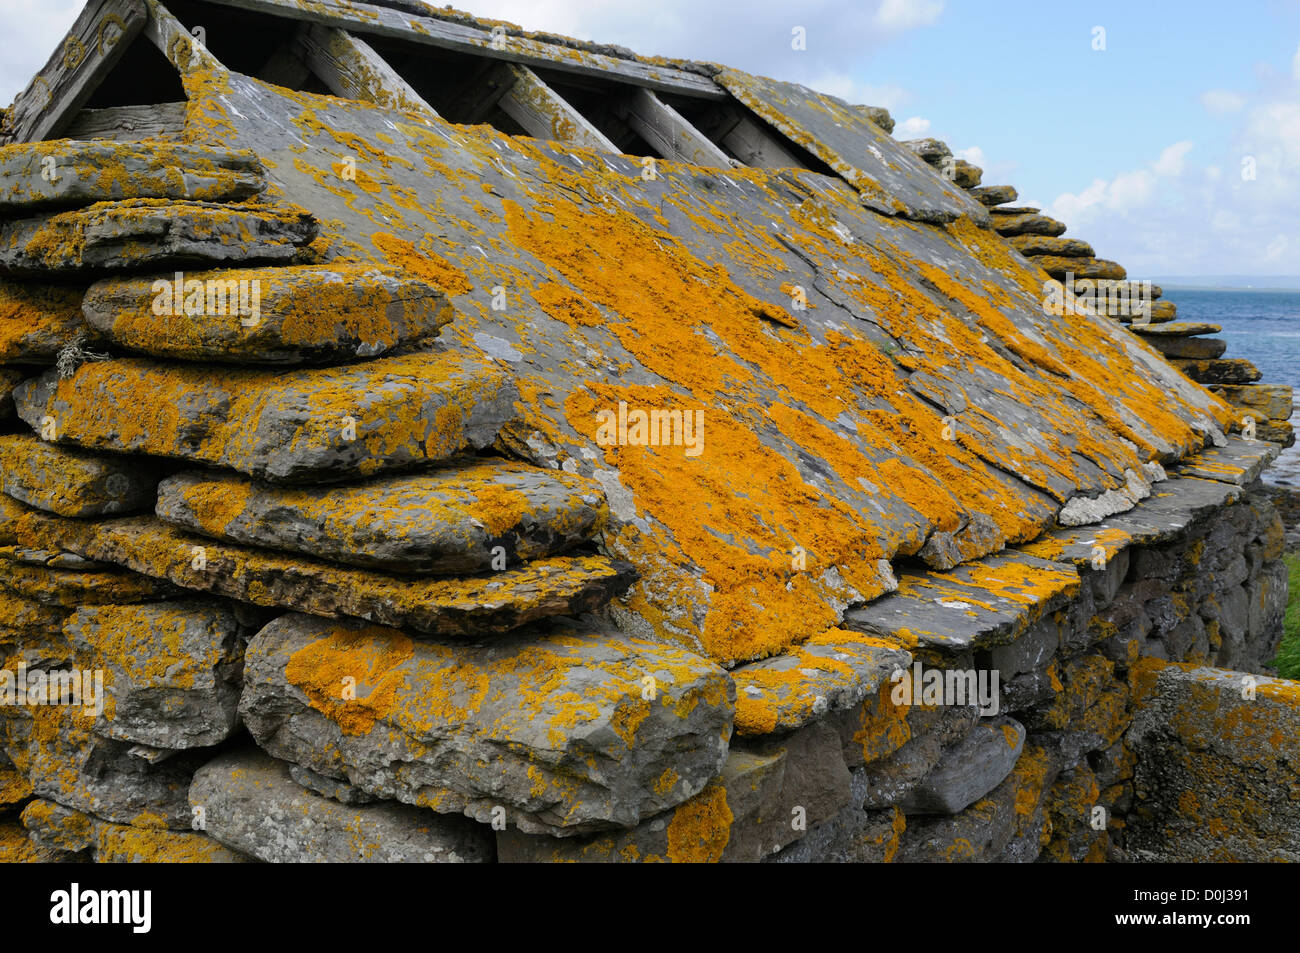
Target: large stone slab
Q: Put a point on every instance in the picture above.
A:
(830, 672)
(57, 751)
(38, 320)
(171, 669)
(1031, 244)
(292, 315)
(303, 425)
(889, 176)
(71, 482)
(1240, 462)
(1060, 267)
(145, 233)
(70, 587)
(469, 516)
(474, 605)
(70, 173)
(251, 804)
(969, 769)
(1173, 506)
(1274, 401)
(564, 728)
(1224, 370)
(977, 605)
(1218, 765)
(125, 844)
(1007, 222)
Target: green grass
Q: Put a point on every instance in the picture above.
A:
(1288, 653)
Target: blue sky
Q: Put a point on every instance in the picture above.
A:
(1139, 147)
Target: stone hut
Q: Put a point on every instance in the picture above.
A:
(430, 441)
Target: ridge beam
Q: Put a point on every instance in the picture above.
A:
(351, 68)
(668, 132)
(545, 114)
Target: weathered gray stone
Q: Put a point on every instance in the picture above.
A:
(331, 788)
(309, 313)
(1229, 370)
(303, 425)
(71, 588)
(976, 605)
(54, 747)
(1025, 223)
(1189, 348)
(1274, 401)
(126, 844)
(1061, 267)
(878, 166)
(969, 769)
(71, 482)
(888, 780)
(994, 194)
(38, 320)
(1051, 245)
(475, 605)
(554, 724)
(1216, 757)
(71, 173)
(1240, 462)
(1175, 329)
(170, 670)
(145, 233)
(449, 520)
(252, 805)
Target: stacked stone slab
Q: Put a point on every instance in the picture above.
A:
(251, 431)
(1186, 344)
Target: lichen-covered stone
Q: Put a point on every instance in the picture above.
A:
(55, 748)
(302, 425)
(71, 482)
(495, 602)
(1025, 223)
(126, 844)
(70, 173)
(147, 233)
(1051, 245)
(308, 313)
(170, 670)
(38, 320)
(1188, 348)
(71, 588)
(994, 194)
(449, 520)
(250, 804)
(564, 728)
(1274, 401)
(830, 672)
(1060, 267)
(1231, 370)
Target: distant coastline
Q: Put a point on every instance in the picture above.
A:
(1228, 282)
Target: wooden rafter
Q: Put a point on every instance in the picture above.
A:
(183, 50)
(668, 132)
(351, 68)
(94, 45)
(545, 114)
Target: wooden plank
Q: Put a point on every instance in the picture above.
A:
(545, 114)
(753, 145)
(668, 132)
(382, 21)
(94, 45)
(182, 50)
(352, 69)
(129, 123)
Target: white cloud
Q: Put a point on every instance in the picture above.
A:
(911, 128)
(32, 30)
(1222, 102)
(907, 14)
(974, 155)
(1171, 160)
(1295, 63)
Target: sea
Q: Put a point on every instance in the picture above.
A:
(1262, 326)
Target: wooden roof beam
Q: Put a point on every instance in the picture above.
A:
(350, 68)
(92, 47)
(545, 114)
(668, 132)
